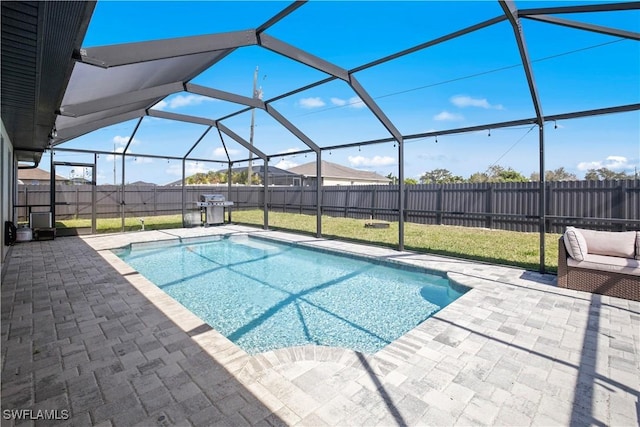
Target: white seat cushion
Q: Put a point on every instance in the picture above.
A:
(608, 263)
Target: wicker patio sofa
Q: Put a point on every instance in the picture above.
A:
(600, 262)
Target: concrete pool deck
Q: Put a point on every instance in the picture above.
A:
(85, 336)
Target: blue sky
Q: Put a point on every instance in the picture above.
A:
(468, 81)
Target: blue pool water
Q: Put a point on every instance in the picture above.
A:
(265, 295)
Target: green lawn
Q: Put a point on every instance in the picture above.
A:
(114, 225)
(494, 246)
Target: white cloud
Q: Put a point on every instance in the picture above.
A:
(289, 150)
(353, 102)
(111, 157)
(219, 151)
(463, 101)
(124, 140)
(371, 161)
(447, 116)
(619, 163)
(179, 101)
(286, 164)
(160, 105)
(356, 102)
(187, 100)
(190, 168)
(311, 102)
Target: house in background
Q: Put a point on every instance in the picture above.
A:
(334, 174)
(37, 176)
(277, 176)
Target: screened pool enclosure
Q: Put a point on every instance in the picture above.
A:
(507, 87)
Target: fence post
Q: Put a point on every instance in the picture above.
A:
(439, 204)
(155, 201)
(550, 208)
(77, 204)
(26, 202)
(346, 201)
(490, 209)
(374, 201)
(622, 203)
(405, 204)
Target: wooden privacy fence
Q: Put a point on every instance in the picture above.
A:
(509, 206)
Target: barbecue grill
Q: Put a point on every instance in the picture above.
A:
(213, 206)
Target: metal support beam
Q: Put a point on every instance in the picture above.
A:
(511, 11)
(229, 186)
(302, 57)
(265, 187)
(283, 14)
(241, 141)
(319, 194)
(386, 122)
(225, 96)
(122, 188)
(543, 201)
(226, 152)
(151, 156)
(208, 122)
(292, 128)
(430, 43)
(181, 117)
(584, 26)
(52, 188)
(71, 132)
(401, 195)
(605, 7)
(197, 142)
(94, 174)
(184, 191)
(373, 107)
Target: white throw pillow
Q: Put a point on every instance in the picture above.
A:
(637, 244)
(575, 243)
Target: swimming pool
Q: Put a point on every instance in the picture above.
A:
(264, 295)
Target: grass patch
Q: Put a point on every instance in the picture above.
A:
(114, 225)
(493, 246)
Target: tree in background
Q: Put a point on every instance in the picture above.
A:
(555, 175)
(210, 177)
(410, 181)
(241, 178)
(497, 173)
(440, 176)
(604, 173)
(407, 181)
(220, 177)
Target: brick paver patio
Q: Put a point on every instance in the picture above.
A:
(85, 336)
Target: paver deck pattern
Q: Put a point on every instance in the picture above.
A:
(85, 335)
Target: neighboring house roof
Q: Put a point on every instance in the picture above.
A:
(144, 183)
(259, 169)
(37, 174)
(333, 170)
